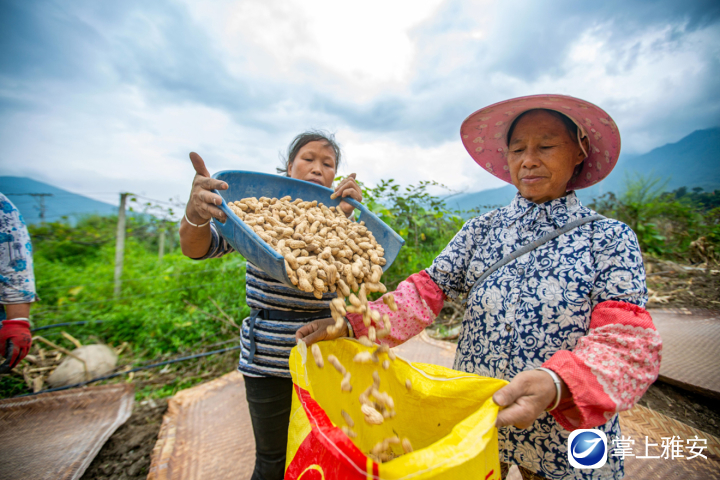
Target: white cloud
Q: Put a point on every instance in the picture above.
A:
(119, 143)
(235, 81)
(375, 159)
(366, 46)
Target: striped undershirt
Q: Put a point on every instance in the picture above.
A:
(273, 338)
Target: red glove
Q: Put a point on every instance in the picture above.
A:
(15, 341)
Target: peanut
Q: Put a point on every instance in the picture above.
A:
(406, 445)
(389, 300)
(347, 431)
(347, 418)
(363, 357)
(336, 363)
(345, 384)
(317, 354)
(372, 416)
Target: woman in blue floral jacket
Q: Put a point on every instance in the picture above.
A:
(564, 320)
(17, 286)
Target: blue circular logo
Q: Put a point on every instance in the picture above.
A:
(588, 448)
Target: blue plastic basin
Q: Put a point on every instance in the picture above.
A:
(253, 184)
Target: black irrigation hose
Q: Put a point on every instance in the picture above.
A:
(66, 324)
(107, 377)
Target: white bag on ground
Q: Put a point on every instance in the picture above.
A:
(100, 360)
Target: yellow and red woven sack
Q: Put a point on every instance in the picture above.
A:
(449, 417)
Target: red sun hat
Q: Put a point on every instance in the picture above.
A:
(484, 135)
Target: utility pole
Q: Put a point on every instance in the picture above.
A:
(161, 250)
(40, 198)
(120, 244)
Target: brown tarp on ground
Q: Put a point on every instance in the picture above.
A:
(640, 422)
(56, 435)
(691, 348)
(207, 433)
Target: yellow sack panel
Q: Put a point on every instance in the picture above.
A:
(449, 417)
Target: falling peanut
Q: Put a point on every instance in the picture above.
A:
(372, 416)
(345, 383)
(336, 363)
(317, 354)
(372, 335)
(363, 357)
(406, 445)
(389, 300)
(347, 431)
(348, 419)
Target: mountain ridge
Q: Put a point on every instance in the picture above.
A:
(691, 162)
(59, 202)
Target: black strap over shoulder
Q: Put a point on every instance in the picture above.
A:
(532, 246)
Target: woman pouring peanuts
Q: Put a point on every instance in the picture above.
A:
(555, 293)
(278, 310)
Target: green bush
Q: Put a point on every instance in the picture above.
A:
(666, 223)
(422, 219)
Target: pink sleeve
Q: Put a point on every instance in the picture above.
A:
(610, 368)
(419, 300)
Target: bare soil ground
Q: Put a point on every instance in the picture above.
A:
(674, 285)
(690, 408)
(126, 455)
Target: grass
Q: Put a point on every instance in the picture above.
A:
(166, 309)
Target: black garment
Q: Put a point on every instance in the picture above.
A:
(269, 401)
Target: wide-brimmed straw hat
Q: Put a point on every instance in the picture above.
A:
(484, 134)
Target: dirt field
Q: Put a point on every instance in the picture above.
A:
(126, 455)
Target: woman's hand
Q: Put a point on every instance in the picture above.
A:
(348, 188)
(203, 203)
(316, 331)
(525, 398)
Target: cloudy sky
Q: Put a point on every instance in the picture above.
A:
(103, 97)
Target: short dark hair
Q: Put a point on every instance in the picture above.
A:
(303, 139)
(572, 129)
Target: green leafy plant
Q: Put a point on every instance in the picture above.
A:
(666, 223)
(418, 216)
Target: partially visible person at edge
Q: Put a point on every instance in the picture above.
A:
(278, 311)
(565, 323)
(17, 286)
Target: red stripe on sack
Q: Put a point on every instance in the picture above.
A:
(330, 436)
(489, 474)
(376, 469)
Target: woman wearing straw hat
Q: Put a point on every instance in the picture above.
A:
(555, 293)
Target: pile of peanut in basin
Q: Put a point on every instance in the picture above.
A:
(326, 252)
